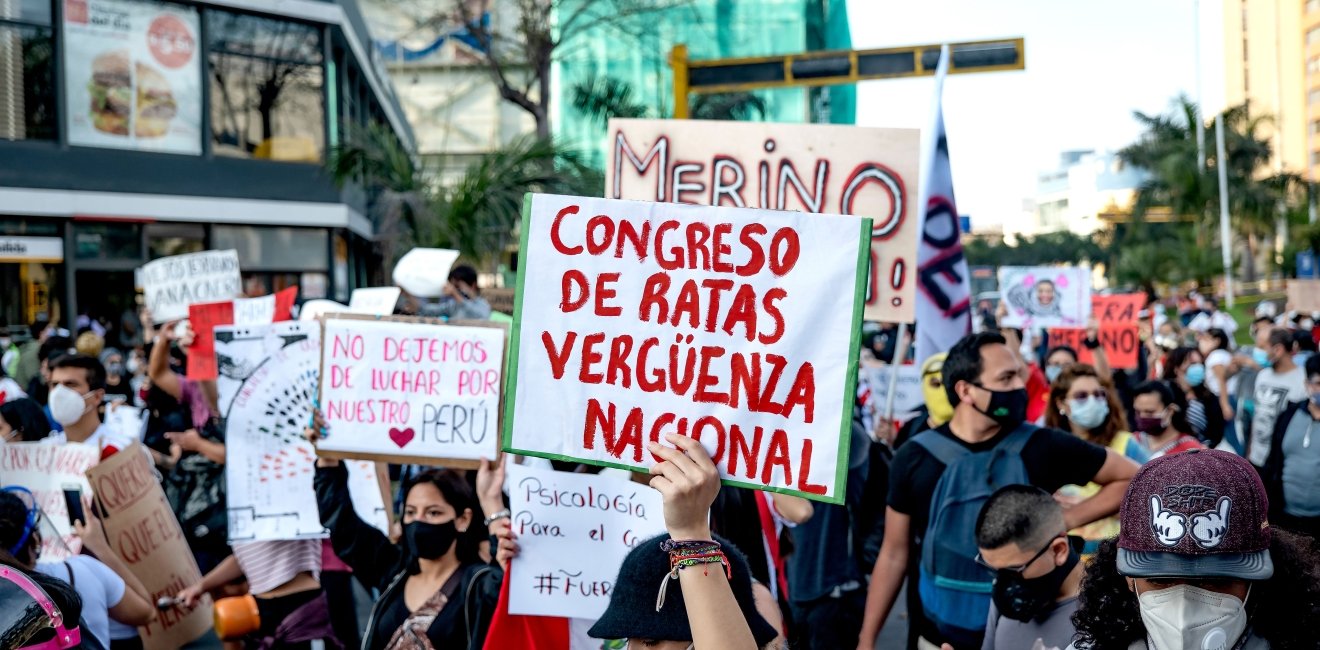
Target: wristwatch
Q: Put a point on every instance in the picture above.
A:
(503, 514)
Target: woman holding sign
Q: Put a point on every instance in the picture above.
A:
(435, 590)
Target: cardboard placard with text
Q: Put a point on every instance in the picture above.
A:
(814, 168)
(739, 328)
(1122, 344)
(143, 532)
(205, 317)
(411, 390)
(1045, 296)
(44, 469)
(171, 284)
(574, 530)
(1304, 295)
(1117, 308)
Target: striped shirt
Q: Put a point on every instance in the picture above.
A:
(269, 565)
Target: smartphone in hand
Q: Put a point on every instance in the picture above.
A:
(74, 504)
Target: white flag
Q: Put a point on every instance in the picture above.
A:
(943, 290)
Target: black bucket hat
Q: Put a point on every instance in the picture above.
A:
(631, 613)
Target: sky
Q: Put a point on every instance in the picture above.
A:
(1089, 66)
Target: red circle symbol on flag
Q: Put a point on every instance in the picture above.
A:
(171, 41)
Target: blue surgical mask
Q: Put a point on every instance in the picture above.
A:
(1315, 399)
(1088, 413)
(1195, 374)
(1261, 357)
(1053, 372)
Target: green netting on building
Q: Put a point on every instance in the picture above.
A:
(636, 52)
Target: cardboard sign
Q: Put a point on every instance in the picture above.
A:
(574, 530)
(144, 533)
(410, 388)
(1122, 344)
(1304, 295)
(267, 395)
(243, 311)
(45, 469)
(376, 301)
(739, 328)
(815, 168)
(171, 284)
(907, 391)
(1118, 308)
(1045, 296)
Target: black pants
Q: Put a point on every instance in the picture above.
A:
(338, 586)
(829, 623)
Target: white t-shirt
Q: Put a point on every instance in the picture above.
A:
(104, 436)
(1216, 359)
(98, 586)
(1273, 392)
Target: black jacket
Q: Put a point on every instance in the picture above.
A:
(378, 563)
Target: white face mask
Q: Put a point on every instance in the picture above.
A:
(66, 405)
(133, 365)
(1191, 618)
(1088, 413)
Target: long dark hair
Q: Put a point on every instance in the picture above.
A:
(457, 493)
(1108, 617)
(26, 417)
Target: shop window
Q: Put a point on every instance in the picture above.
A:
(266, 88)
(275, 249)
(166, 239)
(27, 71)
(107, 241)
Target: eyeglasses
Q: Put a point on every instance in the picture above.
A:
(1021, 567)
(1099, 394)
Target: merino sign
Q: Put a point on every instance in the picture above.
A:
(821, 169)
(410, 390)
(172, 283)
(738, 328)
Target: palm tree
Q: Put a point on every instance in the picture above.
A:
(400, 199)
(605, 98)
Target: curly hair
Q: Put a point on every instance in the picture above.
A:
(1108, 617)
(1117, 421)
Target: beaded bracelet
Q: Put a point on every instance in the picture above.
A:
(672, 545)
(677, 563)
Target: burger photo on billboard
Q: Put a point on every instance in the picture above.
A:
(112, 92)
(155, 103)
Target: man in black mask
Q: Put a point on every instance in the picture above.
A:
(986, 446)
(1037, 571)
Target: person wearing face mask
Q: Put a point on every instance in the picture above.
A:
(1086, 405)
(1199, 566)
(435, 590)
(1184, 371)
(117, 387)
(983, 380)
(1161, 420)
(22, 420)
(77, 388)
(1037, 570)
(1292, 472)
(1279, 382)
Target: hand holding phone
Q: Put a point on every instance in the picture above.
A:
(74, 504)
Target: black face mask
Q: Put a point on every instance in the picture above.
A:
(429, 541)
(1023, 599)
(1008, 408)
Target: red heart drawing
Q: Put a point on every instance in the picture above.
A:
(401, 437)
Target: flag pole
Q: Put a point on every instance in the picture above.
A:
(1225, 244)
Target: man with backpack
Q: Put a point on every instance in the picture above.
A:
(942, 478)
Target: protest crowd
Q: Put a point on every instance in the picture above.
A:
(676, 441)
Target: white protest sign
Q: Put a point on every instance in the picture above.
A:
(815, 168)
(170, 284)
(254, 311)
(314, 309)
(574, 531)
(1045, 296)
(907, 391)
(423, 272)
(376, 301)
(402, 388)
(739, 328)
(267, 386)
(45, 469)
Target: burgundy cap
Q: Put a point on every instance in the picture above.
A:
(1200, 513)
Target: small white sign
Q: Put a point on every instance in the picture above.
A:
(375, 301)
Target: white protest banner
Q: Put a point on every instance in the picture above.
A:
(816, 168)
(267, 387)
(423, 272)
(133, 75)
(739, 328)
(171, 284)
(411, 390)
(44, 469)
(574, 531)
(143, 532)
(907, 390)
(1045, 296)
(376, 301)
